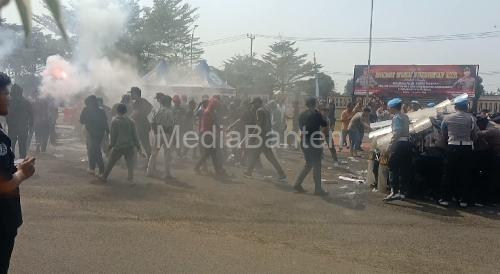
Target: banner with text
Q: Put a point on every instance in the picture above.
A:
(415, 80)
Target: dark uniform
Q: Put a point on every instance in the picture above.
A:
(10, 204)
(311, 121)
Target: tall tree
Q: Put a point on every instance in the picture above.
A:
(242, 75)
(325, 84)
(25, 63)
(349, 86)
(163, 32)
(287, 65)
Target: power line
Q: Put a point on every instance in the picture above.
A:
(362, 40)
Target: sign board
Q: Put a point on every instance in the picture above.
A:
(428, 81)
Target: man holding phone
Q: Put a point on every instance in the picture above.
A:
(11, 176)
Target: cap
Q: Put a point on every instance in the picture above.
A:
(176, 99)
(256, 100)
(159, 95)
(394, 102)
(461, 102)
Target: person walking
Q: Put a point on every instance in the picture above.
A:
(163, 123)
(209, 138)
(19, 120)
(345, 118)
(400, 152)
(312, 124)
(141, 108)
(123, 143)
(11, 177)
(260, 144)
(96, 125)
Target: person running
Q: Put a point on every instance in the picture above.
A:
(123, 142)
(11, 177)
(96, 124)
(312, 124)
(264, 124)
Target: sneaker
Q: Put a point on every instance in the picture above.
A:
(299, 189)
(247, 175)
(478, 205)
(283, 179)
(463, 204)
(443, 202)
(321, 193)
(392, 197)
(168, 177)
(402, 196)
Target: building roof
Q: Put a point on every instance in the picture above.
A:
(490, 98)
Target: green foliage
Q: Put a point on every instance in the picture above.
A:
(325, 83)
(241, 75)
(287, 65)
(26, 63)
(161, 32)
(349, 86)
(25, 11)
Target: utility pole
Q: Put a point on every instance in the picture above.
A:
(192, 38)
(316, 80)
(370, 53)
(251, 37)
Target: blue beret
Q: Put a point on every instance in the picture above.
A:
(461, 101)
(394, 102)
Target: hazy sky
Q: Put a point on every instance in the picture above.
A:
(350, 18)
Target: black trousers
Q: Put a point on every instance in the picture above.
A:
(313, 161)
(458, 173)
(94, 152)
(6, 247)
(209, 149)
(400, 167)
(19, 136)
(268, 152)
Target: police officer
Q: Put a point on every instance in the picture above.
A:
(10, 179)
(460, 130)
(400, 153)
(311, 122)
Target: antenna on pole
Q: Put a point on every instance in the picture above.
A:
(251, 37)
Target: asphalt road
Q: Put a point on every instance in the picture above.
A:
(75, 224)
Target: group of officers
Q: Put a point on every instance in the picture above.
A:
(464, 136)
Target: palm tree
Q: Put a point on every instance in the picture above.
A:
(24, 8)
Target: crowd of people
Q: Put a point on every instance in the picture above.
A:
(470, 144)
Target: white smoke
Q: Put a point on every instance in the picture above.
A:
(8, 42)
(99, 25)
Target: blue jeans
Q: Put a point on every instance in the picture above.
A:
(356, 138)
